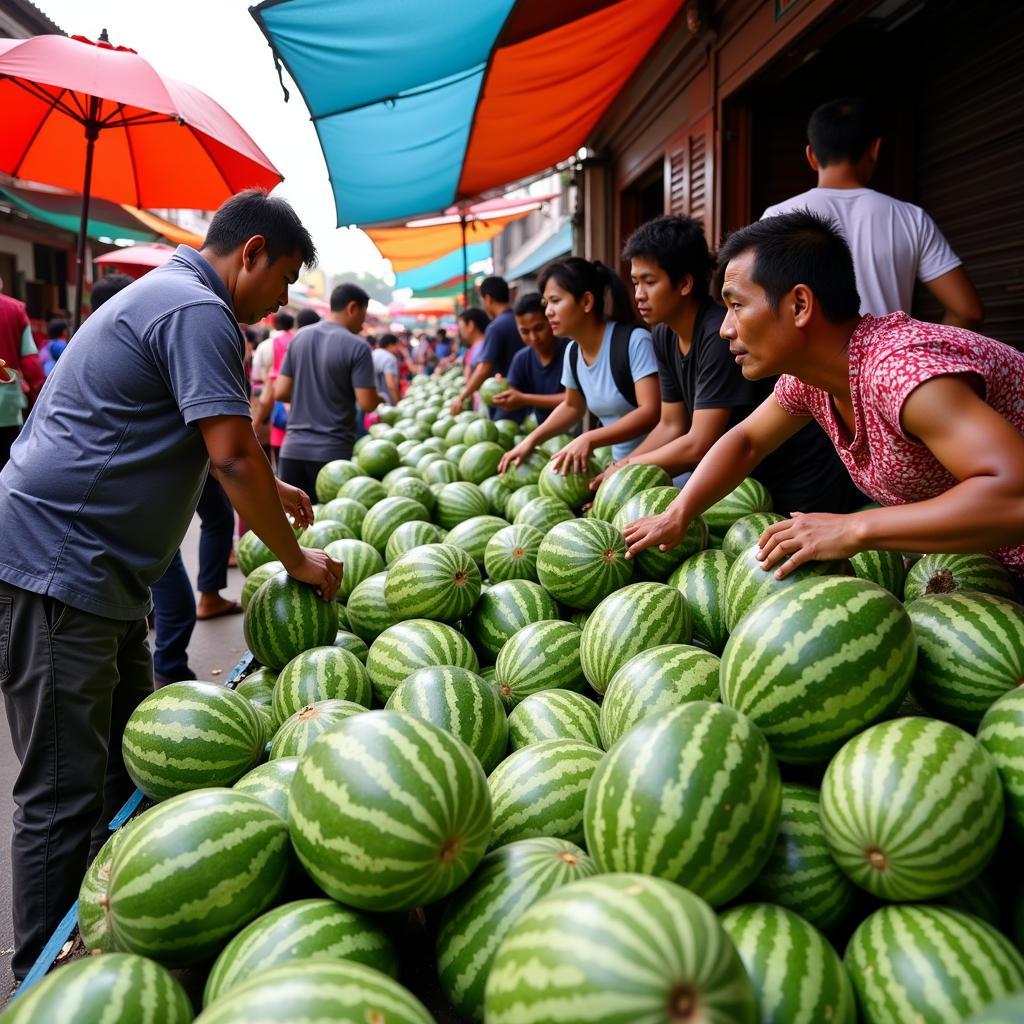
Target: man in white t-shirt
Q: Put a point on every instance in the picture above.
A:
(894, 243)
(385, 368)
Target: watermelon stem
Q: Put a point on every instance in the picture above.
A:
(451, 850)
(877, 858)
(684, 1005)
(942, 581)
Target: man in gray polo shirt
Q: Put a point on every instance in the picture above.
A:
(102, 484)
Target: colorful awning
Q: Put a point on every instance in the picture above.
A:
(64, 210)
(444, 269)
(559, 244)
(432, 101)
(172, 232)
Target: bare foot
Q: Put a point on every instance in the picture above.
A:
(212, 606)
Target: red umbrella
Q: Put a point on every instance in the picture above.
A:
(149, 140)
(136, 260)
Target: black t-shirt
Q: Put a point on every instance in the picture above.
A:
(501, 342)
(529, 375)
(805, 474)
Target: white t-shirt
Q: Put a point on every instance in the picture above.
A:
(262, 361)
(893, 243)
(384, 364)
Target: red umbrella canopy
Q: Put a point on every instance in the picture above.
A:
(136, 260)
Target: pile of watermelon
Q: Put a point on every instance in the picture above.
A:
(530, 780)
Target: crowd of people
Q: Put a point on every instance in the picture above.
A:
(791, 357)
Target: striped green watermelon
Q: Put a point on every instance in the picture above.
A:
(306, 929)
(582, 561)
(473, 535)
(332, 476)
(572, 488)
(509, 881)
(702, 580)
(749, 496)
(189, 735)
(929, 964)
(389, 812)
(315, 990)
(285, 618)
(912, 808)
(350, 642)
(626, 483)
(437, 470)
(258, 686)
(555, 444)
(653, 563)
(818, 662)
(103, 990)
(93, 923)
(511, 554)
(527, 472)
(461, 702)
(497, 495)
(347, 511)
(456, 433)
(377, 458)
(269, 783)
(1004, 1011)
(503, 610)
(480, 461)
(509, 433)
(360, 561)
(796, 973)
(800, 873)
(457, 502)
(516, 501)
(323, 532)
(970, 651)
(554, 715)
(603, 456)
(947, 574)
(543, 513)
(412, 487)
(491, 387)
(433, 581)
(322, 673)
(251, 553)
(367, 608)
(411, 535)
(364, 489)
(882, 567)
(382, 520)
(1001, 733)
(668, 801)
(416, 643)
(633, 619)
(654, 681)
(746, 532)
(539, 790)
(257, 578)
(541, 656)
(480, 429)
(298, 731)
(619, 949)
(194, 870)
(392, 477)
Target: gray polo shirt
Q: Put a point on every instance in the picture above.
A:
(326, 363)
(106, 475)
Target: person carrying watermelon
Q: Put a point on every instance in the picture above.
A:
(927, 418)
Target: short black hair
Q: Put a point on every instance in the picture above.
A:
(799, 248)
(578, 276)
(841, 131)
(255, 212)
(306, 316)
(495, 288)
(677, 245)
(56, 327)
(531, 302)
(283, 320)
(106, 288)
(475, 315)
(441, 333)
(346, 293)
(386, 340)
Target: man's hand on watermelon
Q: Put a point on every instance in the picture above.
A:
(319, 570)
(515, 455)
(666, 530)
(297, 505)
(807, 537)
(574, 456)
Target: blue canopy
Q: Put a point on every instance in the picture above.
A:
(443, 269)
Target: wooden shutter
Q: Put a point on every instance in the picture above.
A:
(689, 173)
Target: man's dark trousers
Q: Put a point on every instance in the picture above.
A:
(174, 618)
(216, 536)
(70, 680)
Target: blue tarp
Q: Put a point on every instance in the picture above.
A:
(443, 269)
(557, 245)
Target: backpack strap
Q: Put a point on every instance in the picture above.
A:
(622, 374)
(574, 360)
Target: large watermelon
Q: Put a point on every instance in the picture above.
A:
(389, 812)
(433, 581)
(948, 574)
(882, 567)
(582, 561)
(749, 496)
(702, 580)
(347, 511)
(541, 656)
(298, 731)
(480, 461)
(746, 532)
(516, 501)
(269, 783)
(412, 487)
(571, 488)
(554, 715)
(503, 610)
(411, 535)
(652, 562)
(364, 489)
(359, 560)
(527, 472)
(386, 516)
(1001, 733)
(251, 553)
(324, 532)
(93, 923)
(1004, 1011)
(491, 387)
(367, 608)
(661, 801)
(511, 553)
(480, 429)
(543, 513)
(323, 673)
(473, 535)
(617, 489)
(257, 578)
(331, 477)
(458, 501)
(377, 458)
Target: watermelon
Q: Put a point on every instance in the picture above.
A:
(633, 619)
(746, 532)
(456, 451)
(970, 651)
(411, 535)
(503, 610)
(541, 656)
(882, 567)
(555, 444)
(1001, 733)
(433, 581)
(269, 783)
(364, 489)
(417, 643)
(473, 535)
(359, 560)
(491, 387)
(508, 433)
(322, 673)
(459, 501)
(497, 494)
(350, 642)
(539, 791)
(377, 458)
(389, 812)
(480, 429)
(511, 553)
(316, 990)
(412, 487)
(796, 974)
(258, 686)
(582, 561)
(626, 483)
(189, 735)
(912, 809)
(1004, 1011)
(332, 476)
(298, 731)
(572, 488)
(800, 873)
(516, 501)
(285, 618)
(702, 579)
(347, 511)
(508, 881)
(323, 532)
(480, 461)
(654, 681)
(749, 496)
(619, 949)
(93, 924)
(103, 989)
(818, 662)
(251, 552)
(367, 608)
(543, 513)
(461, 702)
(257, 578)
(929, 964)
(437, 470)
(554, 715)
(660, 803)
(527, 472)
(399, 473)
(652, 562)
(194, 870)
(947, 574)
(383, 519)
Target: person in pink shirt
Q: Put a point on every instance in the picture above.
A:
(927, 418)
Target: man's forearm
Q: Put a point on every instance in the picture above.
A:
(678, 456)
(729, 461)
(661, 435)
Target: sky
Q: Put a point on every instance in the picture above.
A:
(217, 46)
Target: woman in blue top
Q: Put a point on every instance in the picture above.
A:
(611, 371)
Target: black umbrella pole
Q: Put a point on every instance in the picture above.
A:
(91, 133)
(465, 264)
